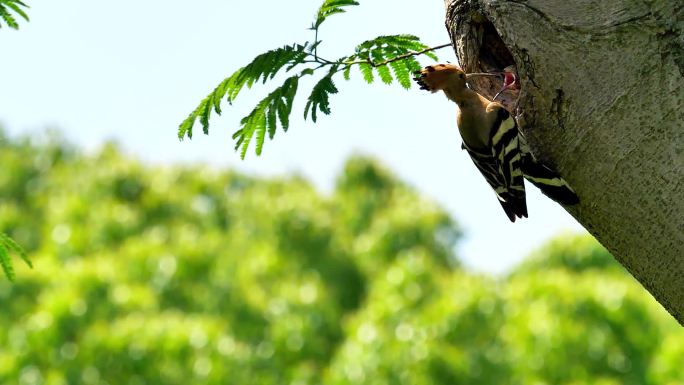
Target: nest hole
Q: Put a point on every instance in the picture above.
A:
(492, 55)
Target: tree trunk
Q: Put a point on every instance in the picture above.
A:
(601, 99)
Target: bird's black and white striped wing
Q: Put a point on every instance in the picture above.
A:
(547, 180)
(488, 166)
(505, 142)
(500, 165)
(505, 146)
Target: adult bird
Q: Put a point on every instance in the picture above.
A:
(492, 139)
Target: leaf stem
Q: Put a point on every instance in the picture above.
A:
(400, 57)
(373, 64)
(315, 52)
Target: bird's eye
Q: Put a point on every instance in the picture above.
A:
(461, 75)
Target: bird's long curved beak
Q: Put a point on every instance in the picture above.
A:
(476, 74)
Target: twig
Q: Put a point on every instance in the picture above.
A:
(320, 60)
(400, 57)
(315, 52)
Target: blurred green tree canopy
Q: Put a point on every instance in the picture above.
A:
(193, 275)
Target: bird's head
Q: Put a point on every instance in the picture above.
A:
(440, 76)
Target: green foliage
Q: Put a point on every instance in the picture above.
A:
(278, 104)
(572, 252)
(329, 8)
(552, 326)
(382, 51)
(7, 8)
(320, 95)
(264, 67)
(186, 275)
(391, 57)
(8, 245)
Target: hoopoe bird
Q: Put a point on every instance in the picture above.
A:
(491, 137)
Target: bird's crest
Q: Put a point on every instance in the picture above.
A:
(436, 77)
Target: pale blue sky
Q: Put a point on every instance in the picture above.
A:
(132, 70)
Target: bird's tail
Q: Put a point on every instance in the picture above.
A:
(548, 181)
(514, 205)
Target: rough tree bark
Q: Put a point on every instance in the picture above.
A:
(601, 100)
